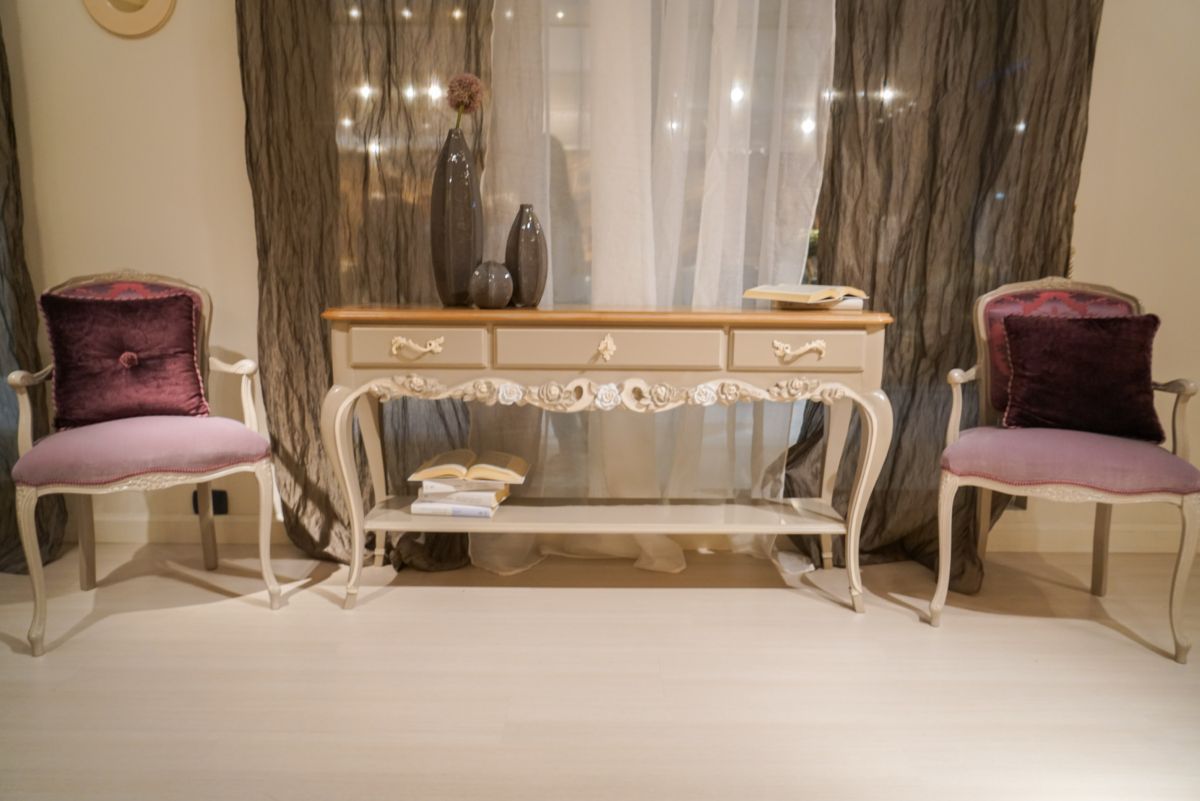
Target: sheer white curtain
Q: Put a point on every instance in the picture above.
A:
(672, 150)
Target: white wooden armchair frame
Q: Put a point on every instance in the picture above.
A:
(26, 496)
(1189, 504)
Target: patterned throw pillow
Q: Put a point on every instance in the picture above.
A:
(124, 355)
(1084, 374)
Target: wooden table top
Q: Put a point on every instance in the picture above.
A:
(580, 316)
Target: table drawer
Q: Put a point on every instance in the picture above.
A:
(611, 348)
(755, 349)
(377, 346)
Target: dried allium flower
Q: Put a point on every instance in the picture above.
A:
(464, 94)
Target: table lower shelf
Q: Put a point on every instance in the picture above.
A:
(584, 516)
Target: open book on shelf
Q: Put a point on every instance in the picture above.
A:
(464, 464)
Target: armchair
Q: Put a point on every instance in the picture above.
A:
(143, 452)
(1059, 464)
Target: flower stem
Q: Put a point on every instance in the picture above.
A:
(458, 119)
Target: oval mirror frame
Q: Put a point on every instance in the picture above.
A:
(130, 24)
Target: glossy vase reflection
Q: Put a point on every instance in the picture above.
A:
(526, 258)
(455, 221)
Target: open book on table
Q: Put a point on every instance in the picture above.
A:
(809, 296)
(465, 465)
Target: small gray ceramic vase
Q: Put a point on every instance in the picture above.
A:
(491, 286)
(526, 258)
(455, 220)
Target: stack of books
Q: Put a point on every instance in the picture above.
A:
(462, 484)
(802, 297)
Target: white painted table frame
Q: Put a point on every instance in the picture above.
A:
(572, 361)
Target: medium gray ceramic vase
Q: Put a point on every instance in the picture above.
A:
(526, 259)
(455, 221)
(491, 286)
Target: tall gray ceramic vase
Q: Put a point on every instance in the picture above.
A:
(455, 220)
(526, 258)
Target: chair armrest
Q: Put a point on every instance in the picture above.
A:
(21, 381)
(248, 370)
(956, 378)
(1183, 390)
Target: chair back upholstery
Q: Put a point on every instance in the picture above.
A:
(130, 284)
(1048, 297)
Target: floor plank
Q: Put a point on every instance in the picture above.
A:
(589, 679)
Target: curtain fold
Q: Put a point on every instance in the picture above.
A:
(343, 125)
(673, 152)
(956, 140)
(18, 348)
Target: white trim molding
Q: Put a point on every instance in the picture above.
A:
(583, 394)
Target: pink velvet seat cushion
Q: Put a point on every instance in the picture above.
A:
(118, 449)
(1030, 456)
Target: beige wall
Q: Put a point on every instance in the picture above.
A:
(1137, 226)
(132, 156)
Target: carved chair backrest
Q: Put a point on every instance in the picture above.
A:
(1048, 297)
(131, 284)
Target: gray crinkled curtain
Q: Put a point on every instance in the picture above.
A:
(341, 138)
(957, 134)
(18, 349)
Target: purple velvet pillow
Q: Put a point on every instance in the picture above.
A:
(1085, 374)
(123, 358)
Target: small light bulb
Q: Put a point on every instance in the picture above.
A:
(1021, 126)
(354, 12)
(406, 12)
(457, 13)
(347, 122)
(365, 91)
(435, 91)
(373, 147)
(736, 94)
(808, 125)
(560, 14)
(410, 92)
(508, 14)
(888, 94)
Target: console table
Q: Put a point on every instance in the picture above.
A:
(574, 360)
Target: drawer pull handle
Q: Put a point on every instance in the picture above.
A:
(607, 348)
(784, 352)
(432, 346)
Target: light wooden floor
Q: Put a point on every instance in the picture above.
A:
(590, 680)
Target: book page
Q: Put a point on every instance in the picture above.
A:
(499, 466)
(451, 464)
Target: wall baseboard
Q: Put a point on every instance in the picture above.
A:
(232, 529)
(1072, 538)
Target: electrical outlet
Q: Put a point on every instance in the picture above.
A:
(220, 502)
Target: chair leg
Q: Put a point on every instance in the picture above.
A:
(27, 528)
(266, 508)
(826, 551)
(208, 531)
(946, 492)
(983, 519)
(1183, 566)
(1100, 549)
(87, 543)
